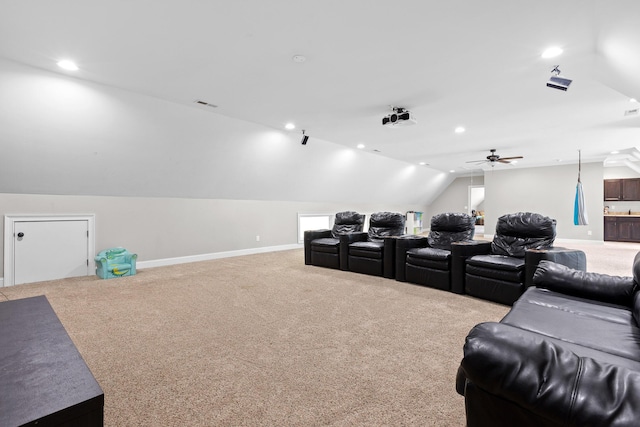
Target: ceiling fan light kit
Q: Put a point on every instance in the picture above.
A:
(494, 158)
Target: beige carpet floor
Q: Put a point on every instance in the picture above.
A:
(263, 340)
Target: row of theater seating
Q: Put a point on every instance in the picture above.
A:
(447, 258)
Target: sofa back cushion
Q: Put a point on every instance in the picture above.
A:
(515, 233)
(447, 228)
(596, 286)
(383, 224)
(347, 222)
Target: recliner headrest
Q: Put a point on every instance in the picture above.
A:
(349, 217)
(515, 233)
(347, 222)
(526, 224)
(452, 221)
(384, 224)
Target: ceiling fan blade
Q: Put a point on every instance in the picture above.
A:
(511, 158)
(477, 161)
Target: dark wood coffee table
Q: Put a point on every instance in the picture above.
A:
(43, 379)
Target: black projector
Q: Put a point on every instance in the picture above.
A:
(557, 82)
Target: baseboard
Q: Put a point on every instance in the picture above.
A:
(205, 257)
(216, 255)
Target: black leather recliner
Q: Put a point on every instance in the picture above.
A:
(428, 260)
(322, 247)
(373, 252)
(501, 270)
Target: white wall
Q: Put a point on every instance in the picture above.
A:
(67, 136)
(167, 180)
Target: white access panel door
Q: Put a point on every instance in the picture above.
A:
(48, 250)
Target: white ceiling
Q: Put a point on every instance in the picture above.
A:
(453, 63)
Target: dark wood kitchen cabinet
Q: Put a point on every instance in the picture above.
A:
(610, 228)
(622, 229)
(622, 189)
(631, 189)
(612, 189)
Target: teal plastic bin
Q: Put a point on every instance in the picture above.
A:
(115, 262)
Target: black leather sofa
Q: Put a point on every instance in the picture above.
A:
(322, 247)
(373, 252)
(501, 270)
(566, 354)
(427, 260)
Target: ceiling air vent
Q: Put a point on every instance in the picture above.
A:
(205, 103)
(633, 112)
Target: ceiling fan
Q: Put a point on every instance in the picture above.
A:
(494, 158)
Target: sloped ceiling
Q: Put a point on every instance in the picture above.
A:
(454, 63)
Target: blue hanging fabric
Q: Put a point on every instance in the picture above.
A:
(579, 211)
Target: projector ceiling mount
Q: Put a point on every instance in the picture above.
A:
(556, 81)
(400, 116)
(494, 158)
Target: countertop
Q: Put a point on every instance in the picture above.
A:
(623, 214)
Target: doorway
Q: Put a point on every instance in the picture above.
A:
(39, 247)
(476, 207)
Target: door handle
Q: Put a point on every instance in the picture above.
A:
(20, 235)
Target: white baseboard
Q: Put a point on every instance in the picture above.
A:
(206, 257)
(217, 255)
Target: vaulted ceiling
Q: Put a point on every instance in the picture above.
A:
(475, 65)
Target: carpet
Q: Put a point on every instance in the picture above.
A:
(263, 340)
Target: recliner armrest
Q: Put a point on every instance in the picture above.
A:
(345, 241)
(403, 244)
(542, 377)
(310, 235)
(572, 258)
(389, 257)
(460, 251)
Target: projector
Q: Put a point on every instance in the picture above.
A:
(399, 117)
(557, 82)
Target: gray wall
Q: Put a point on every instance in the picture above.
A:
(549, 191)
(456, 196)
(546, 190)
(162, 228)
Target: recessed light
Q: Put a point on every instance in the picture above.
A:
(633, 100)
(460, 129)
(452, 171)
(289, 126)
(422, 163)
(552, 52)
(615, 152)
(68, 65)
(360, 146)
(299, 58)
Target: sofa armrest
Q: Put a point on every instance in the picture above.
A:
(460, 251)
(310, 235)
(525, 369)
(403, 244)
(571, 258)
(596, 286)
